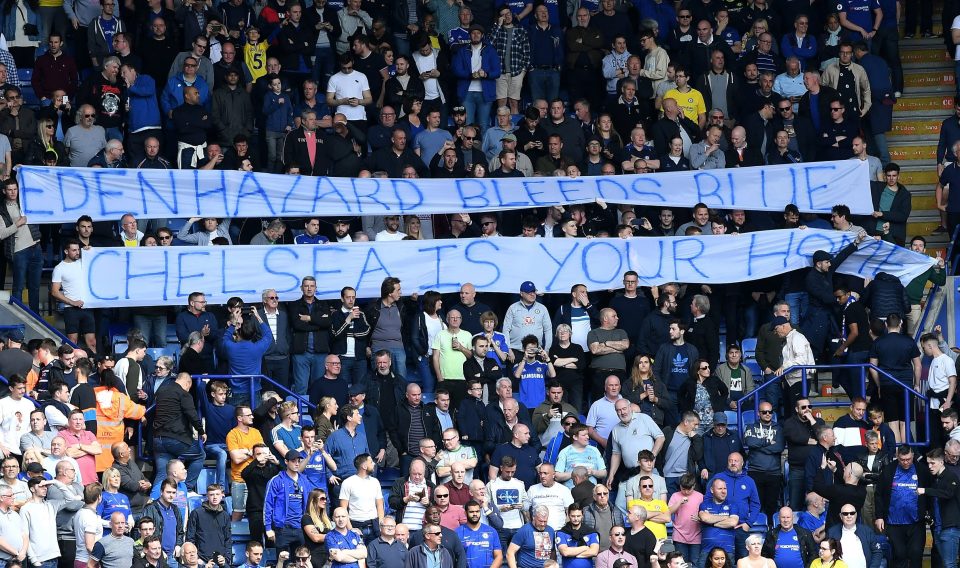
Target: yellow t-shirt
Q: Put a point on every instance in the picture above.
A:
(255, 56)
(237, 440)
(659, 530)
(691, 102)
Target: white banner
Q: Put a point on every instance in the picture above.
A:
(167, 275)
(60, 195)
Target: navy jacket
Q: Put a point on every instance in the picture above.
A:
(868, 540)
(717, 449)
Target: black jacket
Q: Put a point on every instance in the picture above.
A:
(295, 150)
(819, 285)
(399, 490)
(209, 529)
(703, 334)
(175, 415)
(399, 434)
(945, 491)
(806, 136)
(840, 494)
(488, 373)
(827, 95)
(808, 546)
(341, 330)
(797, 433)
(372, 311)
(714, 385)
(496, 430)
(319, 326)
(665, 129)
(153, 511)
(756, 127)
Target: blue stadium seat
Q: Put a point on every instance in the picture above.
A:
(749, 417)
(239, 553)
(749, 347)
(240, 530)
(755, 368)
(731, 418)
(759, 524)
(173, 352)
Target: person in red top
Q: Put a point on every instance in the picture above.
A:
(82, 446)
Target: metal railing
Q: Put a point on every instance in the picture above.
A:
(862, 384)
(39, 319)
(253, 386)
(951, 263)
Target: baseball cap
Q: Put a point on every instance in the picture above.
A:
(622, 563)
(719, 418)
(292, 455)
(509, 138)
(528, 287)
(478, 27)
(15, 335)
(779, 320)
(356, 389)
(820, 256)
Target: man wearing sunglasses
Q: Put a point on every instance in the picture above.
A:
(764, 442)
(799, 435)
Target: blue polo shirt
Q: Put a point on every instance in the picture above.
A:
(337, 541)
(479, 544)
(566, 539)
(713, 536)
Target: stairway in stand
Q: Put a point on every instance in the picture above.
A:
(928, 95)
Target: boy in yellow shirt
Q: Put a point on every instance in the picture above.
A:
(255, 53)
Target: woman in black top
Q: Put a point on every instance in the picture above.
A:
(569, 360)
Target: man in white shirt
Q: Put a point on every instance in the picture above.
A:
(509, 496)
(348, 91)
(66, 286)
(796, 351)
(362, 497)
(391, 231)
(554, 496)
(942, 377)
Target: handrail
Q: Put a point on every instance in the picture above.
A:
(63, 338)
(936, 287)
(864, 367)
(301, 400)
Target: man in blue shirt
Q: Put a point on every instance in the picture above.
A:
(719, 518)
(742, 492)
(789, 544)
(311, 234)
(284, 504)
(900, 511)
(861, 17)
(345, 546)
(533, 543)
(479, 539)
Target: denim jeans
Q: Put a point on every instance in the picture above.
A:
(218, 451)
(354, 369)
(399, 365)
(948, 543)
(274, 148)
(192, 455)
(690, 552)
(27, 267)
(324, 65)
(544, 84)
(154, 329)
(45, 564)
(425, 378)
(798, 302)
(478, 110)
(306, 366)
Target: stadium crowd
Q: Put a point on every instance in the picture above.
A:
(588, 430)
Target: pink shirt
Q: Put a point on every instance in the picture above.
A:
(87, 462)
(686, 530)
(453, 517)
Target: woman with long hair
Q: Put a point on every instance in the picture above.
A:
(411, 226)
(718, 558)
(45, 141)
(426, 324)
(645, 390)
(830, 555)
(478, 170)
(704, 393)
(316, 524)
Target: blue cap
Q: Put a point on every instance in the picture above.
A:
(528, 287)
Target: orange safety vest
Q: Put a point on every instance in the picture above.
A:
(113, 407)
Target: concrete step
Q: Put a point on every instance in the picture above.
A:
(916, 128)
(922, 202)
(902, 152)
(919, 56)
(938, 79)
(923, 224)
(926, 176)
(924, 105)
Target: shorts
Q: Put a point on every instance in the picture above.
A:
(891, 401)
(238, 492)
(508, 86)
(78, 320)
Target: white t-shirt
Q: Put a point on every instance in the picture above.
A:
(511, 492)
(361, 494)
(348, 86)
(387, 236)
(70, 277)
(556, 498)
(941, 369)
(14, 421)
